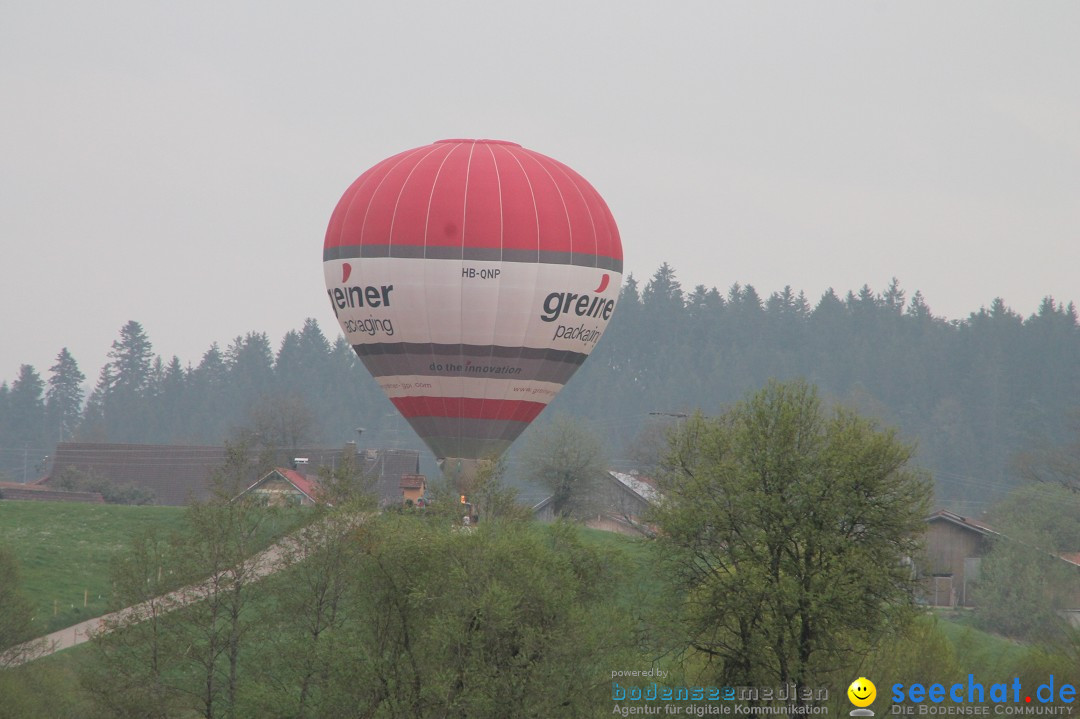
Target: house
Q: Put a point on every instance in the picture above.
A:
(544, 510)
(622, 500)
(281, 487)
(389, 466)
(174, 474)
(178, 474)
(619, 503)
(412, 488)
(955, 546)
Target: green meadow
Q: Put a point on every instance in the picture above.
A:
(65, 552)
(65, 549)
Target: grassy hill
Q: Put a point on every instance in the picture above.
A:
(64, 550)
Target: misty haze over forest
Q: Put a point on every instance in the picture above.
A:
(972, 393)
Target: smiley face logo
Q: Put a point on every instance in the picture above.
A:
(862, 692)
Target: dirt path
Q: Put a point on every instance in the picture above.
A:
(261, 565)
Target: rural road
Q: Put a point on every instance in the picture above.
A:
(257, 567)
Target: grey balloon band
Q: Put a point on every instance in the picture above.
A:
(479, 254)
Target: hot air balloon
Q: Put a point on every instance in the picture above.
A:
(472, 278)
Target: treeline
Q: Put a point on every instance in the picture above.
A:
(310, 390)
(971, 392)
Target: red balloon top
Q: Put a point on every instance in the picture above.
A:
(478, 199)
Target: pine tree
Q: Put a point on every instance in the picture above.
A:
(893, 299)
(663, 290)
(918, 307)
(5, 416)
(288, 364)
(118, 410)
(26, 410)
(251, 366)
(64, 399)
(131, 359)
(209, 397)
(173, 406)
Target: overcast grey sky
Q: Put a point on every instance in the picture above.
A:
(177, 163)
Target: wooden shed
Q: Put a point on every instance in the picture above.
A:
(955, 546)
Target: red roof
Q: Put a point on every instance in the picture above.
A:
(413, 481)
(309, 487)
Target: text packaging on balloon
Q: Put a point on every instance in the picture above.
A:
(370, 326)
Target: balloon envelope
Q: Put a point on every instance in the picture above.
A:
(472, 278)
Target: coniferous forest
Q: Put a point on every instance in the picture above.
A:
(972, 393)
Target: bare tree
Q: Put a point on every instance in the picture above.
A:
(348, 484)
(136, 656)
(490, 497)
(181, 651)
(568, 459)
(222, 545)
(284, 422)
(1054, 465)
(306, 645)
(15, 611)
